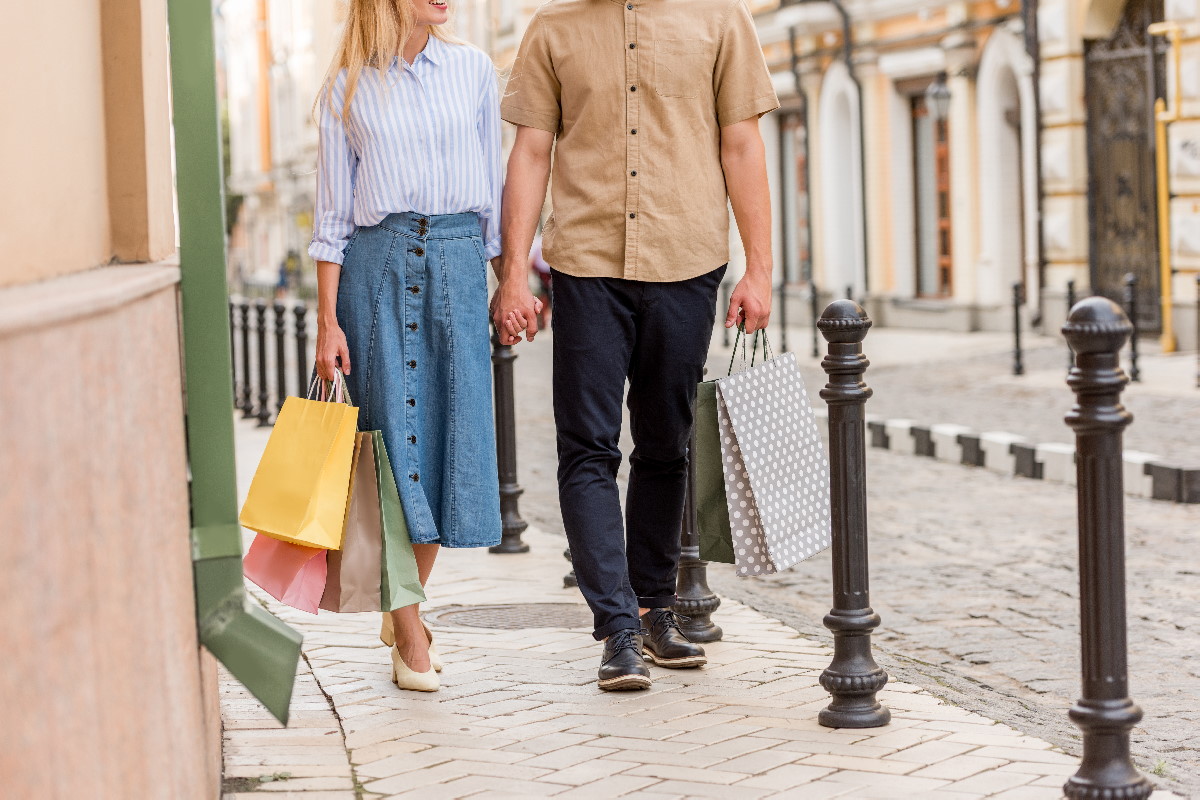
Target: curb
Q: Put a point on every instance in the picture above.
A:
(1011, 454)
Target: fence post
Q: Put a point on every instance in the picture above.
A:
(246, 398)
(233, 347)
(281, 354)
(814, 305)
(783, 316)
(1071, 300)
(1018, 364)
(694, 599)
(301, 312)
(1096, 330)
(726, 292)
(506, 450)
(260, 332)
(853, 678)
(1131, 308)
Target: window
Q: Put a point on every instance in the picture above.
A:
(931, 168)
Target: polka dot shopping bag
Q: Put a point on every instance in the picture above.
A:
(775, 465)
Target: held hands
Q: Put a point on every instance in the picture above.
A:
(332, 352)
(515, 309)
(750, 303)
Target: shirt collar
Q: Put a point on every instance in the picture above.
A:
(435, 50)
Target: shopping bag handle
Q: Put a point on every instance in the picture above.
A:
(337, 388)
(768, 354)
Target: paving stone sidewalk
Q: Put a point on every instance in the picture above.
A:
(519, 714)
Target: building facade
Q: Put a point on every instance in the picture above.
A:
(107, 690)
(933, 159)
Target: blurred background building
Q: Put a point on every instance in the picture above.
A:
(928, 156)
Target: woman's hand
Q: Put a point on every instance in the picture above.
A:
(332, 350)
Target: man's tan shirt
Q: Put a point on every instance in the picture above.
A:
(637, 92)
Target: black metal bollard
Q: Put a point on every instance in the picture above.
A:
(693, 598)
(260, 332)
(1131, 309)
(506, 450)
(783, 316)
(1071, 300)
(1018, 364)
(1096, 330)
(246, 398)
(569, 580)
(280, 354)
(726, 292)
(814, 305)
(853, 678)
(301, 312)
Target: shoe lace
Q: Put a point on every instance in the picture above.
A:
(670, 619)
(623, 639)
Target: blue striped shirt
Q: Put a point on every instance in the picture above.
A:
(421, 137)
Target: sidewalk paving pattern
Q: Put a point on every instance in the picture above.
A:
(519, 716)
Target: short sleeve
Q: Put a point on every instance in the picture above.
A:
(741, 80)
(532, 95)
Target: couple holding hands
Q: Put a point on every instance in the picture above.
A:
(650, 110)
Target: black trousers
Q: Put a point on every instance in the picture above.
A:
(656, 336)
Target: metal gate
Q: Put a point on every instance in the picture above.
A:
(1123, 75)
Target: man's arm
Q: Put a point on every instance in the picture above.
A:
(513, 308)
(744, 159)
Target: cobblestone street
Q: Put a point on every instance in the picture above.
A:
(974, 574)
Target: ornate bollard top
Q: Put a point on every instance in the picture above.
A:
(1097, 329)
(844, 322)
(1097, 325)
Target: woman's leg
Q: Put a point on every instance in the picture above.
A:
(410, 633)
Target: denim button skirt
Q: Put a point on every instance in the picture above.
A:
(413, 303)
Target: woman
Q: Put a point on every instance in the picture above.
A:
(407, 214)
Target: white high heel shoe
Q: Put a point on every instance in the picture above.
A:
(407, 678)
(387, 635)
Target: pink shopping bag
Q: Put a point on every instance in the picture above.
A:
(291, 573)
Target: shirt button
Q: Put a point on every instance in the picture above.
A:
(418, 252)
(633, 88)
(415, 477)
(412, 402)
(633, 46)
(412, 439)
(632, 216)
(412, 326)
(412, 365)
(634, 173)
(415, 289)
(634, 131)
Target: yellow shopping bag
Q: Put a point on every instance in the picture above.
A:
(302, 484)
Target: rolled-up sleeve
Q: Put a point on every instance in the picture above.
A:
(488, 125)
(337, 164)
(532, 97)
(742, 80)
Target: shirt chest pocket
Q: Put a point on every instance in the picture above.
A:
(680, 67)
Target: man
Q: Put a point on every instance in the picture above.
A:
(651, 108)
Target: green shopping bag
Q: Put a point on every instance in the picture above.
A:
(400, 585)
(712, 512)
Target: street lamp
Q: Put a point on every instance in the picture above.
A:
(937, 97)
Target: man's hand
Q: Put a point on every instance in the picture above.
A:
(515, 309)
(750, 303)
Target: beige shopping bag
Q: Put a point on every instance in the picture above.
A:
(354, 572)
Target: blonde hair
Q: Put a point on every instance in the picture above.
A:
(375, 32)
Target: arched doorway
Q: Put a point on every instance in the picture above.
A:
(1122, 76)
(1007, 170)
(842, 246)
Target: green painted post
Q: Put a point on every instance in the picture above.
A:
(257, 648)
